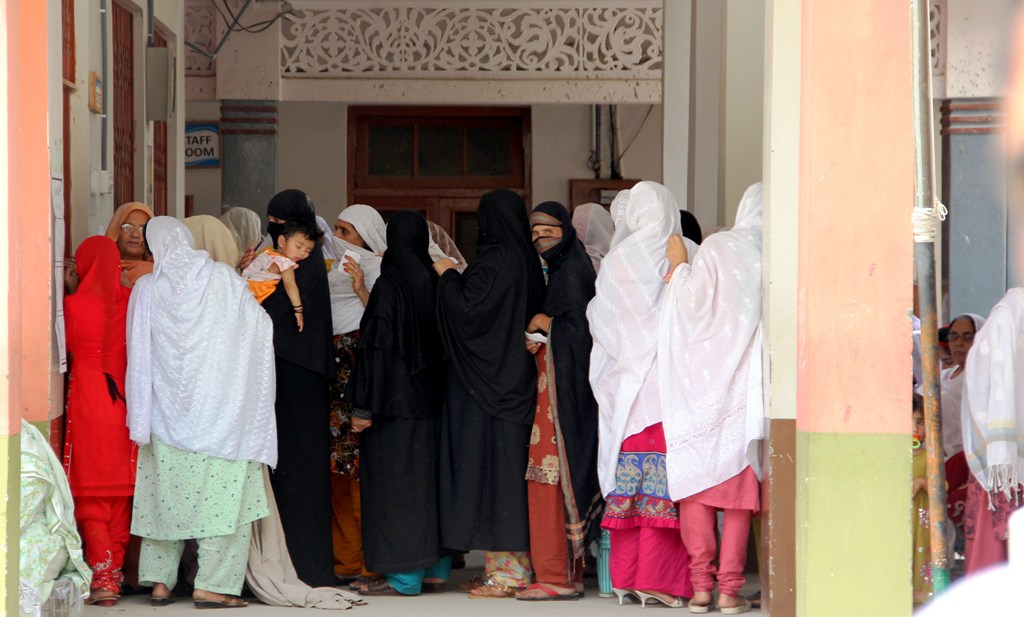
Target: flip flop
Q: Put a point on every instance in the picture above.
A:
(383, 588)
(736, 610)
(550, 594)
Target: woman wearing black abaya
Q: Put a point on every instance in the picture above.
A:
(301, 481)
(395, 388)
(491, 393)
(564, 495)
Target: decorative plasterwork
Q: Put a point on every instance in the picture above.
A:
(527, 39)
(200, 18)
(936, 18)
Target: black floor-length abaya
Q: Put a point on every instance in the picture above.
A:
(491, 386)
(301, 480)
(397, 380)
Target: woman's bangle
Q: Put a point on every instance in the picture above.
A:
(297, 308)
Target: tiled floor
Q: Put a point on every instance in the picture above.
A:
(450, 604)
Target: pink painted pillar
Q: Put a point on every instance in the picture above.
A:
(855, 273)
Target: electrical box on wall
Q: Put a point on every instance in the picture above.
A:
(95, 92)
(160, 84)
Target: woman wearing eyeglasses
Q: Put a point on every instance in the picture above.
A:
(960, 338)
(125, 229)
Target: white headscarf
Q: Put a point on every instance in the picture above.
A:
(993, 401)
(200, 354)
(624, 320)
(346, 307)
(244, 225)
(328, 245)
(951, 387)
(594, 227)
(709, 357)
(369, 224)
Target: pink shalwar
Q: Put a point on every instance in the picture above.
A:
(740, 498)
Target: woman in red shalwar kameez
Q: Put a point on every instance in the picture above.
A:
(99, 457)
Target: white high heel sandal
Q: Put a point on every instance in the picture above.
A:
(622, 593)
(644, 597)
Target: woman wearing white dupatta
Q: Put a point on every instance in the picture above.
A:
(594, 227)
(709, 359)
(361, 230)
(200, 392)
(647, 553)
(992, 420)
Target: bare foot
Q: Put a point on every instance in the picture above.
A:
(702, 598)
(727, 601)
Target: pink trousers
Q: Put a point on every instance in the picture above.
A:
(697, 523)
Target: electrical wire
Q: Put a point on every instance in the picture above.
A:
(254, 28)
(637, 134)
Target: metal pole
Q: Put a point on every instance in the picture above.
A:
(924, 260)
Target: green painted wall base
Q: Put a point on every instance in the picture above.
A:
(853, 538)
(10, 472)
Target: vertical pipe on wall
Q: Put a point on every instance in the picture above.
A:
(613, 118)
(106, 98)
(924, 258)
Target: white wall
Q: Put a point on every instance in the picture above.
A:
(562, 144)
(743, 102)
(313, 149)
(312, 153)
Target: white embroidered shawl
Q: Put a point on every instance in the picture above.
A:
(200, 355)
(624, 319)
(992, 415)
(709, 358)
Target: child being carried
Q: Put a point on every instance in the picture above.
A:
(296, 242)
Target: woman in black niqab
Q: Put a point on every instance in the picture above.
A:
(395, 388)
(491, 394)
(564, 494)
(304, 359)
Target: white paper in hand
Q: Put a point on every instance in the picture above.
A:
(536, 337)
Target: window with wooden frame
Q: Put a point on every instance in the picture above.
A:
(438, 161)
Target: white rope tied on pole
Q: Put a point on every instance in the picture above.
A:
(927, 221)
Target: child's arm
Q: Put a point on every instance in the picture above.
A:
(288, 278)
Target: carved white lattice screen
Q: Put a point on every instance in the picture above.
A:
(492, 40)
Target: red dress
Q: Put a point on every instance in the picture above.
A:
(99, 456)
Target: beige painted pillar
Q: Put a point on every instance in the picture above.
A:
(781, 216)
(676, 102)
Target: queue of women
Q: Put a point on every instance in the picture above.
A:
(982, 409)
(363, 408)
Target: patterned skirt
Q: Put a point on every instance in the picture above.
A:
(641, 498)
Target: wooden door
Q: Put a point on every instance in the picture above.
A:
(124, 105)
(159, 151)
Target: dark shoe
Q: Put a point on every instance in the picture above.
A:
(363, 582)
(432, 588)
(160, 600)
(382, 588)
(215, 604)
